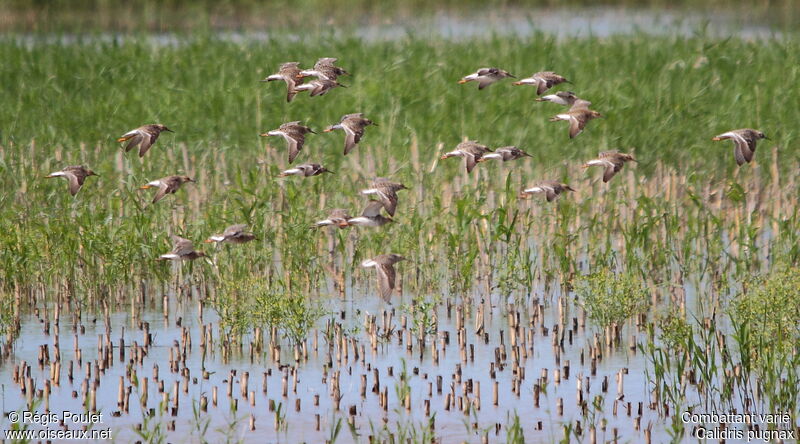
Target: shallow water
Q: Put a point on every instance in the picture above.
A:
(450, 425)
(590, 22)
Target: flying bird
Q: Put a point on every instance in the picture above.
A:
(338, 217)
(325, 68)
(295, 135)
(305, 170)
(384, 264)
(371, 216)
(744, 143)
(235, 234)
(144, 136)
(551, 189)
(612, 161)
(75, 175)
(486, 76)
(386, 191)
(182, 250)
(505, 154)
(319, 87)
(167, 185)
(543, 81)
(577, 118)
(353, 126)
(470, 150)
(289, 73)
(565, 98)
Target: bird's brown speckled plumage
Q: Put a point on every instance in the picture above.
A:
(75, 175)
(353, 126)
(295, 135)
(167, 185)
(288, 72)
(551, 188)
(744, 143)
(387, 277)
(144, 136)
(577, 118)
(612, 162)
(543, 81)
(182, 250)
(471, 151)
(235, 234)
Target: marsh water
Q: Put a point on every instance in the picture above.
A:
(542, 423)
(589, 22)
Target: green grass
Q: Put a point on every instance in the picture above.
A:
(611, 298)
(664, 98)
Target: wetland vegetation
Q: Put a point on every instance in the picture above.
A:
(677, 281)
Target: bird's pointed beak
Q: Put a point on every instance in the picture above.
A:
(462, 81)
(444, 156)
(144, 187)
(520, 83)
(538, 99)
(169, 130)
(327, 130)
(343, 224)
(329, 171)
(282, 175)
(263, 80)
(264, 135)
(584, 166)
(512, 76)
(208, 241)
(716, 138)
(312, 131)
(767, 138)
(49, 176)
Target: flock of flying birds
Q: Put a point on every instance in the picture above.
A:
(324, 76)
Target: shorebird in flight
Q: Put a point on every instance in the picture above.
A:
(470, 150)
(182, 250)
(166, 185)
(289, 73)
(744, 143)
(386, 190)
(353, 126)
(384, 264)
(235, 234)
(295, 135)
(505, 154)
(486, 76)
(550, 188)
(144, 136)
(612, 161)
(75, 175)
(543, 81)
